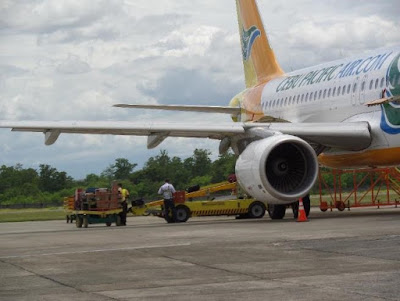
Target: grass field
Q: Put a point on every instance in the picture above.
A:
(23, 215)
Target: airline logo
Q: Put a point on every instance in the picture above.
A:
(248, 38)
(390, 119)
(327, 74)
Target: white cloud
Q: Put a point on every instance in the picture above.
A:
(64, 60)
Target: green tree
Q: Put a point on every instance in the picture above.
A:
(201, 163)
(123, 168)
(52, 180)
(120, 170)
(223, 167)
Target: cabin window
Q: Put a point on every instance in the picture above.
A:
(315, 95)
(329, 92)
(363, 86)
(311, 96)
(344, 90)
(302, 98)
(338, 91)
(298, 98)
(354, 87)
(334, 91)
(371, 83)
(324, 93)
(348, 88)
(320, 94)
(382, 82)
(306, 97)
(376, 83)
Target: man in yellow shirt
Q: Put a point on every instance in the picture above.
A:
(123, 196)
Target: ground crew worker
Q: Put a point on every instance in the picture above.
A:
(167, 190)
(123, 195)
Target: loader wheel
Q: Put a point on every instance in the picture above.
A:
(256, 210)
(182, 214)
(276, 211)
(78, 221)
(85, 221)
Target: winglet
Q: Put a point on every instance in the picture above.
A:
(260, 64)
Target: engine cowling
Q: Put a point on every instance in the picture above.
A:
(278, 170)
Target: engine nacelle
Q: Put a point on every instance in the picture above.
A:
(278, 170)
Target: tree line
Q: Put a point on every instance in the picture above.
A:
(46, 185)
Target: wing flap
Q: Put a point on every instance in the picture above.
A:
(184, 108)
(157, 131)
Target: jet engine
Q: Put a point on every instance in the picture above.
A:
(278, 170)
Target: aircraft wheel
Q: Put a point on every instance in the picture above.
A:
(108, 224)
(307, 204)
(295, 209)
(182, 214)
(78, 221)
(257, 210)
(276, 211)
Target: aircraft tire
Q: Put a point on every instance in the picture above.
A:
(276, 211)
(306, 204)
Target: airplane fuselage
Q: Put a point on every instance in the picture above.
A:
(337, 92)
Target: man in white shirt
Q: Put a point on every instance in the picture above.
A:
(167, 191)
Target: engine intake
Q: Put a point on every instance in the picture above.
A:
(278, 169)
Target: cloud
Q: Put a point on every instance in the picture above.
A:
(68, 60)
(73, 65)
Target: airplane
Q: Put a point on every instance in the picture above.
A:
(341, 114)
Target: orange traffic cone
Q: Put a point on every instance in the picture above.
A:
(302, 213)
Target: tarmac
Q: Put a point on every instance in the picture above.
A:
(350, 255)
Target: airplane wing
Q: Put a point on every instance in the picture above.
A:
(347, 136)
(185, 108)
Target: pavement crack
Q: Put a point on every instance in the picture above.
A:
(216, 268)
(52, 280)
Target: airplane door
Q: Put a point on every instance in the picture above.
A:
(363, 89)
(354, 91)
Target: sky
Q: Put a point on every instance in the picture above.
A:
(72, 60)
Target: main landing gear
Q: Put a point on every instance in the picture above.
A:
(279, 211)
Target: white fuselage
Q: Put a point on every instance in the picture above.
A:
(336, 92)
